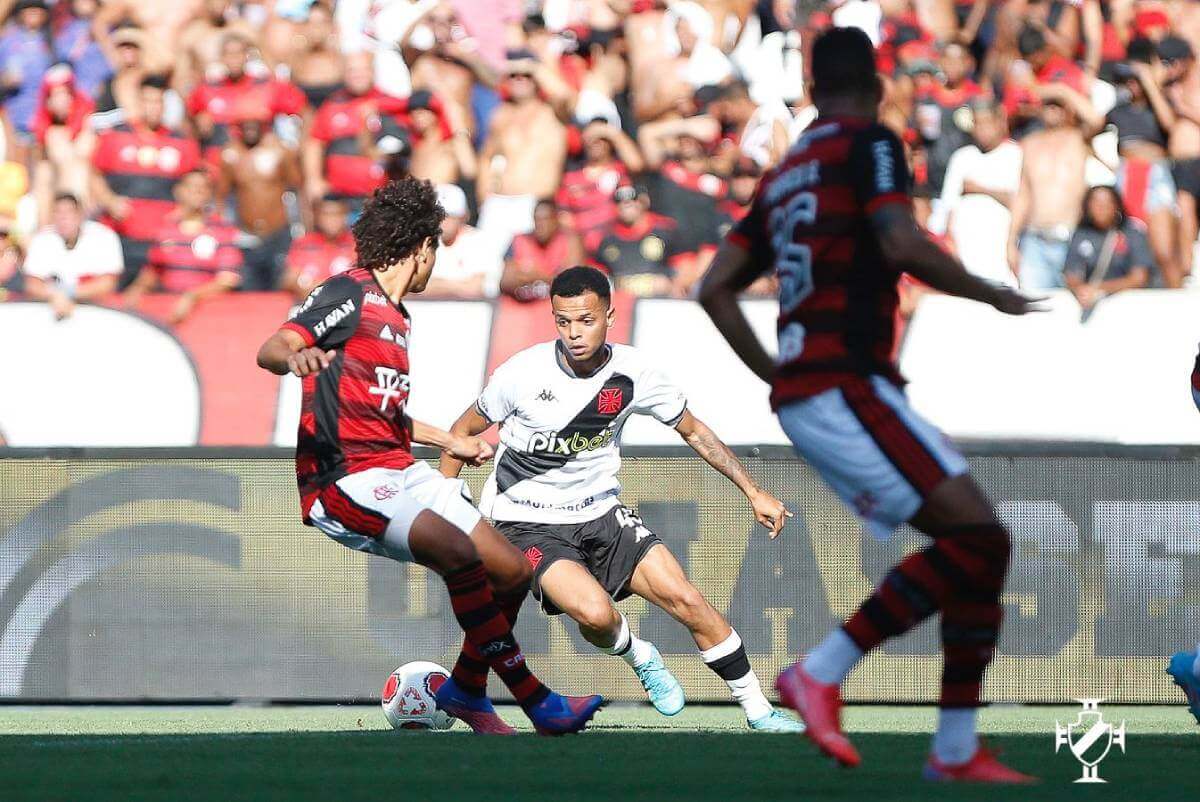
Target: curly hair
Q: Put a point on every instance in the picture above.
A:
(395, 221)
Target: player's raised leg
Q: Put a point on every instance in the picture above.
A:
(437, 543)
(660, 580)
(464, 695)
(570, 587)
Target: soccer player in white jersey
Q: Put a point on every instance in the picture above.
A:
(553, 492)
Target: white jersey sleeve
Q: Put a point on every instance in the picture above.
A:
(659, 397)
(498, 398)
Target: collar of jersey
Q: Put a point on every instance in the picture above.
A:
(561, 359)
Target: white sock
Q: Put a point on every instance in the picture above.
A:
(728, 659)
(833, 659)
(1196, 662)
(630, 647)
(955, 741)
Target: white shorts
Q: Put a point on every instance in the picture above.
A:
(373, 510)
(880, 457)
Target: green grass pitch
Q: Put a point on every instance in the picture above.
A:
(347, 753)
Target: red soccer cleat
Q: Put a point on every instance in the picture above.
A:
(982, 768)
(820, 706)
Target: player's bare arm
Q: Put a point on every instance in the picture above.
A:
(286, 352)
(907, 248)
(463, 448)
(469, 424)
(731, 272)
(768, 510)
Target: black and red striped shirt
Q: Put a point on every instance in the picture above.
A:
(340, 125)
(143, 164)
(810, 222)
(188, 254)
(228, 101)
(352, 413)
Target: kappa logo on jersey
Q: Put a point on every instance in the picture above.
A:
(392, 383)
(334, 317)
(545, 395)
(555, 443)
(609, 401)
(399, 339)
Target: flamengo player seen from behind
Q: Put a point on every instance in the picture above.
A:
(359, 483)
(834, 220)
(561, 407)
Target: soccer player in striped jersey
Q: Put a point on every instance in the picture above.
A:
(834, 220)
(1184, 667)
(359, 482)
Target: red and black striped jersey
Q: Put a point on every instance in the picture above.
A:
(810, 222)
(352, 413)
(143, 164)
(249, 98)
(340, 125)
(186, 255)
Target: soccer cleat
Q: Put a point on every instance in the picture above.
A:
(664, 690)
(776, 721)
(983, 767)
(820, 706)
(559, 715)
(1180, 669)
(474, 711)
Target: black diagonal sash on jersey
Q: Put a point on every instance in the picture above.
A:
(517, 466)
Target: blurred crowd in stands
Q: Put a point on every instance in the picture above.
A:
(198, 147)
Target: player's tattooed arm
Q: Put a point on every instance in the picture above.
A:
(469, 424)
(465, 448)
(286, 352)
(768, 510)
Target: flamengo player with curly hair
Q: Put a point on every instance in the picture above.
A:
(359, 483)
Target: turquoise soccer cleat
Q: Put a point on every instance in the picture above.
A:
(664, 690)
(1180, 669)
(776, 721)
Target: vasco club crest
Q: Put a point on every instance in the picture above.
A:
(1090, 738)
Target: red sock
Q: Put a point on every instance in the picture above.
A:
(471, 670)
(488, 631)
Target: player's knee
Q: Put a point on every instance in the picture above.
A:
(686, 603)
(515, 577)
(457, 552)
(596, 616)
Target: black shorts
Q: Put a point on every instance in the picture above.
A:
(610, 547)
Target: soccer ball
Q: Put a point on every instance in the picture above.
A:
(408, 697)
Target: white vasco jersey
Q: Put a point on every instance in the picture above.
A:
(560, 434)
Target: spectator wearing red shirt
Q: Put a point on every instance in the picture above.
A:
(195, 254)
(344, 151)
(1049, 67)
(586, 192)
(534, 259)
(322, 253)
(136, 165)
(217, 104)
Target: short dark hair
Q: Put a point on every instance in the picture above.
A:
(1141, 50)
(395, 221)
(1030, 40)
(575, 281)
(843, 62)
(67, 197)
